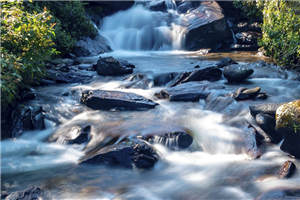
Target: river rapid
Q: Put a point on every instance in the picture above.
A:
(216, 166)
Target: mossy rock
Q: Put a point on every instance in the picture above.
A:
(288, 116)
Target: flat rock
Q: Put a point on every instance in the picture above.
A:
(191, 91)
(237, 73)
(252, 93)
(209, 74)
(107, 100)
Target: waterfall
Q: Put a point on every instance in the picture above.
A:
(140, 28)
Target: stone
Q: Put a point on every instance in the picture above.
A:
(268, 108)
(127, 154)
(209, 74)
(245, 94)
(107, 100)
(173, 140)
(137, 81)
(163, 79)
(237, 73)
(30, 193)
(67, 77)
(191, 91)
(287, 169)
(206, 27)
(225, 62)
(110, 66)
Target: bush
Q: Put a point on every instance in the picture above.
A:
(250, 9)
(26, 43)
(281, 32)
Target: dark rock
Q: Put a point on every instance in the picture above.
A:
(217, 103)
(158, 5)
(191, 91)
(245, 94)
(291, 143)
(237, 73)
(225, 62)
(269, 108)
(110, 66)
(248, 37)
(76, 135)
(27, 118)
(287, 169)
(125, 154)
(31, 193)
(91, 47)
(209, 73)
(138, 81)
(163, 79)
(109, 7)
(106, 100)
(206, 27)
(27, 94)
(175, 140)
(267, 123)
(67, 77)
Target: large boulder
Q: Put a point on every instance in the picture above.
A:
(163, 79)
(91, 47)
(127, 154)
(110, 66)
(206, 27)
(288, 123)
(237, 73)
(268, 108)
(106, 100)
(209, 74)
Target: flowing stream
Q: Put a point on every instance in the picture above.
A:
(216, 166)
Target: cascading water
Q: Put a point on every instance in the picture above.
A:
(142, 29)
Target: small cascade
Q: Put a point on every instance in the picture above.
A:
(139, 28)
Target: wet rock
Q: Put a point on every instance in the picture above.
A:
(137, 81)
(225, 62)
(287, 169)
(66, 61)
(27, 118)
(27, 94)
(163, 79)
(71, 76)
(174, 140)
(77, 135)
(280, 194)
(127, 154)
(288, 124)
(110, 66)
(268, 108)
(159, 5)
(206, 27)
(237, 73)
(30, 193)
(106, 100)
(245, 94)
(209, 73)
(217, 103)
(191, 91)
(267, 123)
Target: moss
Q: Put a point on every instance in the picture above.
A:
(288, 116)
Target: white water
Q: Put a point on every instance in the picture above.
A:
(139, 28)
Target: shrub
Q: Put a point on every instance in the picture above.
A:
(281, 32)
(26, 43)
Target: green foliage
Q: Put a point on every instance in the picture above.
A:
(251, 9)
(26, 43)
(281, 31)
(71, 22)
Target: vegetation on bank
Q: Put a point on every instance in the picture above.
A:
(280, 28)
(31, 34)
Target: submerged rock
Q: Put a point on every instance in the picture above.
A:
(128, 154)
(137, 81)
(225, 62)
(237, 73)
(75, 135)
(106, 100)
(174, 140)
(110, 66)
(287, 169)
(30, 193)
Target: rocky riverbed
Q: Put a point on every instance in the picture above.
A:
(157, 125)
